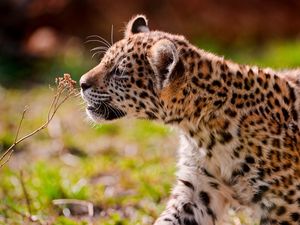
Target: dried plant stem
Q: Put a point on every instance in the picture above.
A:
(16, 211)
(10, 150)
(25, 192)
(20, 124)
(24, 215)
(65, 84)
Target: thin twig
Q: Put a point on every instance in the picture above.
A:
(10, 150)
(16, 211)
(63, 84)
(20, 124)
(24, 215)
(25, 192)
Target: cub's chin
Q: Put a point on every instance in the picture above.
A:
(104, 113)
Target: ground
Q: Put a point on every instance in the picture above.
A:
(124, 169)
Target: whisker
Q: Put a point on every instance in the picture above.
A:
(121, 114)
(104, 108)
(83, 104)
(79, 97)
(106, 112)
(112, 34)
(78, 93)
(112, 109)
(99, 48)
(103, 99)
(108, 107)
(99, 41)
(116, 111)
(101, 38)
(104, 94)
(97, 53)
(98, 107)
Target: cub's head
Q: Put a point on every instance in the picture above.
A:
(137, 76)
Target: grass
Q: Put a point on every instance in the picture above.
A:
(119, 172)
(125, 169)
(275, 54)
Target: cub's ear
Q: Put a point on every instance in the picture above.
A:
(137, 24)
(164, 60)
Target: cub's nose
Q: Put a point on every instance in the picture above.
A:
(85, 83)
(84, 86)
(89, 79)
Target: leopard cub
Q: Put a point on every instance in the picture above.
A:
(240, 141)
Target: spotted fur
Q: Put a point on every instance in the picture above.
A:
(240, 142)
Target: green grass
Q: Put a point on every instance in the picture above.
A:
(276, 53)
(125, 169)
(118, 167)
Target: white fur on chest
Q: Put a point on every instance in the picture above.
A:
(220, 165)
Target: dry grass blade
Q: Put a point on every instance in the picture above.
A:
(20, 124)
(25, 192)
(28, 216)
(24, 215)
(65, 88)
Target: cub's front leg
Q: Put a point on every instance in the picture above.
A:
(195, 200)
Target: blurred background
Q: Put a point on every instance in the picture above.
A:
(42, 38)
(125, 169)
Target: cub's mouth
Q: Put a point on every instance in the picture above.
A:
(104, 111)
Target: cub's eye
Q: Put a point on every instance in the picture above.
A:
(116, 71)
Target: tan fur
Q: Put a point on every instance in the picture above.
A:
(240, 138)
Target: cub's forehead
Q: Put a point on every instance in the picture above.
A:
(114, 53)
(135, 44)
